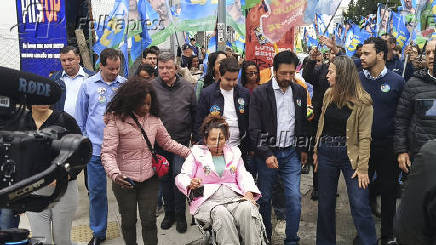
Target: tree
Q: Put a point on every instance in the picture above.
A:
(358, 8)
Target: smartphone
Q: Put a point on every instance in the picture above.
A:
(131, 182)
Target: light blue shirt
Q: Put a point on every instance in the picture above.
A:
(72, 86)
(285, 115)
(94, 94)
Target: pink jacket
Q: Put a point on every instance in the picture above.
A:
(199, 164)
(124, 149)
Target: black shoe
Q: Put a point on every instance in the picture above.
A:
(181, 223)
(314, 195)
(96, 241)
(167, 222)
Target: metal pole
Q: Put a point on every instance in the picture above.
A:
(221, 25)
(326, 29)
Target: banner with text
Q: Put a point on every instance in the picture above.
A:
(259, 47)
(42, 33)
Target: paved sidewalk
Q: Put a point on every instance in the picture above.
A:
(81, 233)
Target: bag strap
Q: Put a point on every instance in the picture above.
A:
(150, 147)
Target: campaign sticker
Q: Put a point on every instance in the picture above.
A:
(102, 99)
(101, 90)
(215, 110)
(385, 88)
(241, 101)
(298, 102)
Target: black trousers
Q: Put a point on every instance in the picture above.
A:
(143, 198)
(383, 162)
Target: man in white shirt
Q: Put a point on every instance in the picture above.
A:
(70, 79)
(230, 100)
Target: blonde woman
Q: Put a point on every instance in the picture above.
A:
(343, 144)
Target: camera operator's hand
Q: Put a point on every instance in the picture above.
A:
(195, 183)
(120, 180)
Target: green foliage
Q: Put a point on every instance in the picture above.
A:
(358, 8)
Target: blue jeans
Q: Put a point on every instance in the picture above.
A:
(331, 160)
(290, 173)
(97, 197)
(174, 200)
(8, 219)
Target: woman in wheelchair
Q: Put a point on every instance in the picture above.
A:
(221, 193)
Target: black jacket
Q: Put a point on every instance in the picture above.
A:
(56, 77)
(317, 76)
(415, 121)
(212, 100)
(177, 108)
(415, 222)
(263, 119)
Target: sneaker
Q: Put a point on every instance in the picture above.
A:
(167, 222)
(280, 227)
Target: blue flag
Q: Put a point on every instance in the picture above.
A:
(355, 36)
(111, 33)
(399, 29)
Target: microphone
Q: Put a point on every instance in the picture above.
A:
(36, 89)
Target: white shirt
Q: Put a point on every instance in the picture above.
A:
(72, 86)
(285, 115)
(231, 117)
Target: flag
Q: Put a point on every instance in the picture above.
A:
(320, 27)
(112, 31)
(399, 29)
(383, 19)
(140, 38)
(339, 33)
(196, 15)
(327, 7)
(355, 36)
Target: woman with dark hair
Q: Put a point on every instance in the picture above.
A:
(128, 160)
(55, 222)
(145, 71)
(212, 73)
(221, 193)
(343, 144)
(250, 75)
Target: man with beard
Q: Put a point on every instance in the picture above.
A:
(385, 88)
(278, 116)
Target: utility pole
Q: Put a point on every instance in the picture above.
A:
(221, 25)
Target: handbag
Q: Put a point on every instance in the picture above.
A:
(160, 164)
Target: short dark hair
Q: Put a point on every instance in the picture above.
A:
(229, 64)
(380, 45)
(150, 50)
(192, 39)
(359, 46)
(285, 57)
(145, 67)
(131, 95)
(391, 38)
(109, 53)
(67, 49)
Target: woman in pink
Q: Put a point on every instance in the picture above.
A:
(221, 192)
(127, 159)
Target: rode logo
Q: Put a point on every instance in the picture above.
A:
(31, 87)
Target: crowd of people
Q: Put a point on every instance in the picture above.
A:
(237, 144)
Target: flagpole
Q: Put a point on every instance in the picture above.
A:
(331, 18)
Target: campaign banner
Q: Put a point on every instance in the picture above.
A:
(42, 33)
(259, 47)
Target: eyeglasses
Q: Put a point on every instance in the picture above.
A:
(252, 73)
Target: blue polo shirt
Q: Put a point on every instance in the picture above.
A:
(94, 94)
(385, 91)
